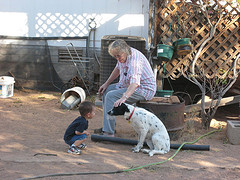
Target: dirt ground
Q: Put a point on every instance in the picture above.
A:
(31, 135)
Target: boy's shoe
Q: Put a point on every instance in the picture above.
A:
(74, 150)
(82, 146)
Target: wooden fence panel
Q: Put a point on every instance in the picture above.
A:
(181, 19)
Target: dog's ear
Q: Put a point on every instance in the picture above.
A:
(125, 107)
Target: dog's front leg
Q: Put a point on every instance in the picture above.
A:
(142, 137)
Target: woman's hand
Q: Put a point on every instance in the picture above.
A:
(120, 101)
(102, 88)
(115, 73)
(131, 88)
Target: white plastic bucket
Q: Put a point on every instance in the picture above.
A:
(72, 97)
(6, 86)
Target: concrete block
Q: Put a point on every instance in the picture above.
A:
(98, 101)
(233, 132)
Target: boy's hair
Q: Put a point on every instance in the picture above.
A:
(85, 107)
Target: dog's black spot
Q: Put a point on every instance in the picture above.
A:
(156, 126)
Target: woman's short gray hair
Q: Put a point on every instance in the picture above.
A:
(120, 46)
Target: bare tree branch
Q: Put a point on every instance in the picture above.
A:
(221, 82)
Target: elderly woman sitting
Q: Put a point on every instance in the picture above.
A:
(137, 82)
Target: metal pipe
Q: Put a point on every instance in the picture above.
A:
(93, 26)
(75, 64)
(95, 137)
(44, 38)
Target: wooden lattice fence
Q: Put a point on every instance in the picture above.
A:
(181, 19)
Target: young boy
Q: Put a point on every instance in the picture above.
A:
(76, 132)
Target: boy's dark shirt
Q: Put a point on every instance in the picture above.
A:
(80, 124)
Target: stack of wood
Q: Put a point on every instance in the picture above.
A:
(164, 100)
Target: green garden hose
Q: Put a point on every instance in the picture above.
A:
(125, 170)
(140, 167)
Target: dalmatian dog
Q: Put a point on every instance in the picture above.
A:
(148, 127)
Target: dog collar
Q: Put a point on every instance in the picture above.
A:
(131, 114)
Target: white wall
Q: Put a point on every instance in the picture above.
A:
(48, 18)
